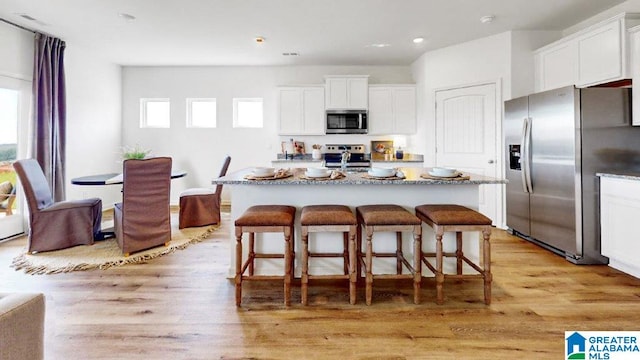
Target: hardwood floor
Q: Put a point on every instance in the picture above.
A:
(181, 306)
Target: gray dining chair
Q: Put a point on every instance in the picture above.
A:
(201, 206)
(143, 219)
(56, 225)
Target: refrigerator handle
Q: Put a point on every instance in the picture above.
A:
(523, 154)
(526, 153)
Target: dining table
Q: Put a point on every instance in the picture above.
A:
(114, 178)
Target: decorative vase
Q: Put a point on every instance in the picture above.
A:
(399, 153)
(316, 154)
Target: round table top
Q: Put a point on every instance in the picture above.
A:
(101, 179)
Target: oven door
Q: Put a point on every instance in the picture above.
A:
(346, 122)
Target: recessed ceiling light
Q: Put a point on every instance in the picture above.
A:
(418, 40)
(488, 19)
(259, 39)
(290, 54)
(127, 17)
(379, 45)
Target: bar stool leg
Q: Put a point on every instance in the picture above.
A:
(486, 249)
(345, 252)
(305, 265)
(369, 263)
(399, 254)
(353, 263)
(238, 279)
(417, 262)
(439, 270)
(252, 252)
(459, 253)
(287, 266)
(358, 252)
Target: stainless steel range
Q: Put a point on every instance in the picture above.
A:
(352, 156)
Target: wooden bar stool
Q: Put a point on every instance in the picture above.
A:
(265, 219)
(325, 218)
(394, 218)
(443, 218)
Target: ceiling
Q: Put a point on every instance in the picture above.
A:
(323, 32)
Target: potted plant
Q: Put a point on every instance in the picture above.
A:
(134, 152)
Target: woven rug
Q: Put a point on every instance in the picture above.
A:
(106, 254)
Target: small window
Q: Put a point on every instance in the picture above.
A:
(201, 113)
(155, 113)
(247, 113)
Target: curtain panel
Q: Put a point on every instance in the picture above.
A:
(49, 111)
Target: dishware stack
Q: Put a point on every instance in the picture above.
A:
(381, 172)
(443, 172)
(317, 172)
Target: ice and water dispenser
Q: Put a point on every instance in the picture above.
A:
(514, 157)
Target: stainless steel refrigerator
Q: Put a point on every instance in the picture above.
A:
(556, 141)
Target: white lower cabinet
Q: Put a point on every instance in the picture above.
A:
(619, 212)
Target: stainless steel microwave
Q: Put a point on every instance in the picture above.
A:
(346, 122)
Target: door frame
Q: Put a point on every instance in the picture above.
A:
(500, 168)
(23, 86)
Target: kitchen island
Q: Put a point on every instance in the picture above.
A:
(353, 190)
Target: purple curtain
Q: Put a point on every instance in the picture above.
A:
(49, 111)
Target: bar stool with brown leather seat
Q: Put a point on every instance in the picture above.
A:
(265, 219)
(389, 218)
(324, 218)
(443, 218)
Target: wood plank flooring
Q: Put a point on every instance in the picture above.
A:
(181, 306)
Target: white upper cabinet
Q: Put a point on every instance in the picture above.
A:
(596, 55)
(301, 110)
(634, 34)
(556, 66)
(392, 109)
(347, 92)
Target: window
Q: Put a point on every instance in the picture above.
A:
(155, 113)
(201, 113)
(247, 113)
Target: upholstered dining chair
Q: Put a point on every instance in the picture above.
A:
(143, 220)
(201, 206)
(56, 225)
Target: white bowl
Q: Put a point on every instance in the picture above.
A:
(382, 172)
(317, 171)
(443, 171)
(263, 171)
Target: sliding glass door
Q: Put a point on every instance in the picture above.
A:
(15, 102)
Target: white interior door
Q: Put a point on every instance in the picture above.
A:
(15, 100)
(467, 137)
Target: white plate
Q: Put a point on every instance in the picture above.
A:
(263, 172)
(380, 176)
(456, 174)
(317, 176)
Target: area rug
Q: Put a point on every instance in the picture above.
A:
(105, 254)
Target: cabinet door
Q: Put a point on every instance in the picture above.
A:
(404, 110)
(557, 66)
(358, 93)
(290, 111)
(336, 93)
(313, 111)
(635, 75)
(380, 111)
(619, 211)
(600, 55)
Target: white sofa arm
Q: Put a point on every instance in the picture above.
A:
(22, 326)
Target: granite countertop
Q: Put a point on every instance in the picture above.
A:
(375, 157)
(628, 176)
(412, 178)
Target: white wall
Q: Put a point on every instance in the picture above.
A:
(94, 91)
(200, 151)
(16, 58)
